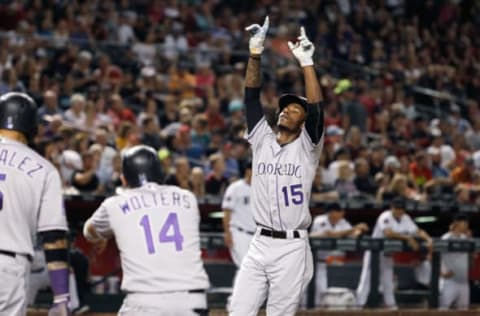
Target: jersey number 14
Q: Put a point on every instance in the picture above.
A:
(175, 236)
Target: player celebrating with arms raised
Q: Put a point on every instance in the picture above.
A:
(279, 265)
(156, 228)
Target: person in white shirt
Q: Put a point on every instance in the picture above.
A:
(238, 223)
(75, 115)
(330, 225)
(394, 224)
(454, 285)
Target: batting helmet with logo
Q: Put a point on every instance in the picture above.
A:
(140, 165)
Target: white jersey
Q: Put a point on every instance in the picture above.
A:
(156, 228)
(282, 178)
(321, 224)
(31, 197)
(457, 262)
(405, 225)
(237, 200)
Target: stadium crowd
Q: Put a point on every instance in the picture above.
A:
(108, 75)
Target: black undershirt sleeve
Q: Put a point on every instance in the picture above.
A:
(253, 107)
(314, 123)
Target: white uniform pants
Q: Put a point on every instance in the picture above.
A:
(241, 241)
(14, 283)
(386, 280)
(165, 304)
(277, 268)
(321, 283)
(454, 293)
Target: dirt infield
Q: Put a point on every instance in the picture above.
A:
(376, 312)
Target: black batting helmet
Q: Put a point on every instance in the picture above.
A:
(18, 112)
(140, 165)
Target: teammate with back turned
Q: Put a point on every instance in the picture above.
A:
(278, 264)
(30, 201)
(156, 228)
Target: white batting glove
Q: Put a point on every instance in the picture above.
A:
(257, 38)
(303, 49)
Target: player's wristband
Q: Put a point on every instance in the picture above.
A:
(59, 285)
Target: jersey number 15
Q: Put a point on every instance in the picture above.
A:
(164, 236)
(293, 193)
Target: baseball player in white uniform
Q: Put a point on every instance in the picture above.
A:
(278, 264)
(156, 228)
(331, 225)
(394, 224)
(238, 223)
(454, 285)
(30, 202)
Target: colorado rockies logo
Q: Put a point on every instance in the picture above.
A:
(279, 169)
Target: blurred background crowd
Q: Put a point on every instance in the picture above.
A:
(401, 79)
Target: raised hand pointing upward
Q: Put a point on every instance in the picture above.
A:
(258, 34)
(303, 49)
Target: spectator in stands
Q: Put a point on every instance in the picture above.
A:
(75, 115)
(344, 184)
(181, 81)
(216, 182)
(200, 133)
(150, 110)
(438, 171)
(472, 136)
(363, 181)
(321, 191)
(124, 132)
(377, 157)
(118, 112)
(181, 177)
(420, 170)
(463, 173)
(354, 142)
(86, 180)
(50, 105)
(398, 186)
(353, 112)
(151, 133)
(446, 151)
(198, 182)
(170, 112)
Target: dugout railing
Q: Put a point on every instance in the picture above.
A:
(376, 246)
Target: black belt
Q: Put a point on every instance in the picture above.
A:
(278, 233)
(244, 230)
(197, 291)
(14, 255)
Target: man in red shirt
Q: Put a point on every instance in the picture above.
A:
(420, 169)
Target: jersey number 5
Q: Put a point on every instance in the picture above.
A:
(3, 176)
(175, 236)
